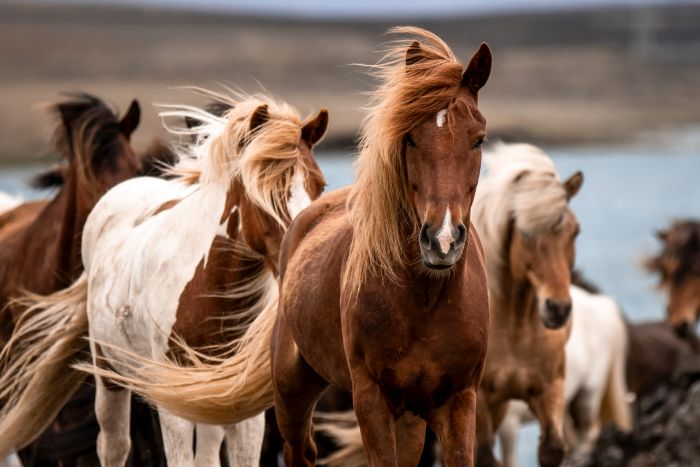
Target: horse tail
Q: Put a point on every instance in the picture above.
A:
(342, 429)
(36, 379)
(212, 390)
(614, 407)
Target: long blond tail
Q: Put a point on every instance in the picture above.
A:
(343, 430)
(206, 390)
(614, 407)
(36, 378)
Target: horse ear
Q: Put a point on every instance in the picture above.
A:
(573, 184)
(479, 69)
(131, 119)
(315, 129)
(662, 235)
(414, 54)
(259, 117)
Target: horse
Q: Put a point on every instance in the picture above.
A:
(383, 286)
(678, 267)
(522, 214)
(39, 252)
(595, 388)
(40, 241)
(171, 264)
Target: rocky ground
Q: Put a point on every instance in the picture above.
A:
(665, 433)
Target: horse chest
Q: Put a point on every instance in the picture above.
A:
(420, 357)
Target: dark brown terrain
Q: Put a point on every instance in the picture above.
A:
(567, 77)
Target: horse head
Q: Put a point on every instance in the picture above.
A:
(678, 265)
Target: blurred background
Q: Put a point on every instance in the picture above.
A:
(608, 87)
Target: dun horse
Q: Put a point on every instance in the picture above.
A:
(522, 215)
(191, 260)
(594, 385)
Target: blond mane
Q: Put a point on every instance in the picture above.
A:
(521, 185)
(379, 204)
(223, 148)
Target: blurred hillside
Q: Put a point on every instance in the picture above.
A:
(564, 77)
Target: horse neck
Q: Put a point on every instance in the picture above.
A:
(74, 205)
(513, 302)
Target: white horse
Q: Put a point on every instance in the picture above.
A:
(594, 385)
(188, 260)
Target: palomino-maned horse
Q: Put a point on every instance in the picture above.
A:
(168, 262)
(522, 214)
(39, 252)
(594, 386)
(678, 265)
(383, 286)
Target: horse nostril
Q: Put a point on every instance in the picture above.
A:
(424, 238)
(461, 235)
(558, 309)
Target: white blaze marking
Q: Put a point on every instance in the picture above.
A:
(441, 118)
(444, 235)
(298, 197)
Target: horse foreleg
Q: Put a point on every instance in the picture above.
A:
(376, 422)
(455, 425)
(113, 411)
(508, 434)
(178, 439)
(485, 431)
(548, 407)
(244, 441)
(208, 446)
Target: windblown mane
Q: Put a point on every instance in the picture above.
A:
(680, 252)
(379, 205)
(521, 187)
(87, 136)
(222, 148)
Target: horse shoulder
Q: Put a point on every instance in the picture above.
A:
(308, 220)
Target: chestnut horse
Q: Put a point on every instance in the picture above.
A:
(383, 286)
(678, 265)
(190, 261)
(522, 215)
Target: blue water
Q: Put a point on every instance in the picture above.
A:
(629, 192)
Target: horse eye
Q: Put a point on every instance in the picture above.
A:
(409, 140)
(478, 143)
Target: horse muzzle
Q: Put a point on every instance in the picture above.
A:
(441, 248)
(555, 313)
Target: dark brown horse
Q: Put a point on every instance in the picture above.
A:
(383, 285)
(41, 254)
(40, 251)
(678, 265)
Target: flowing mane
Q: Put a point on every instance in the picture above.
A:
(521, 186)
(223, 148)
(379, 206)
(86, 135)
